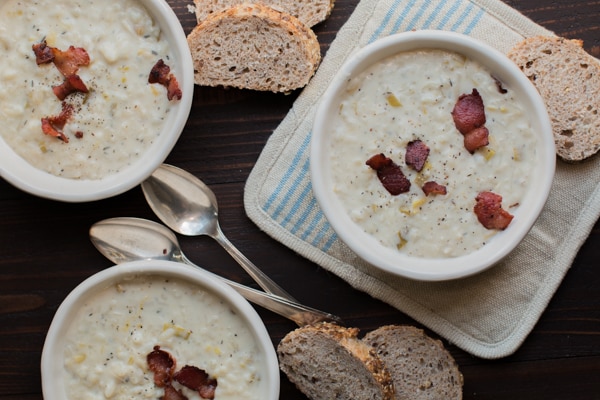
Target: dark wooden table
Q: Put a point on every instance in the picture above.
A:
(45, 251)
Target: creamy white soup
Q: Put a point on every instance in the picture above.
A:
(410, 96)
(119, 117)
(108, 341)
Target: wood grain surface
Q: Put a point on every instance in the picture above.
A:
(45, 250)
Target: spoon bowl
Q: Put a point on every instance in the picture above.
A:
(130, 239)
(189, 207)
(182, 201)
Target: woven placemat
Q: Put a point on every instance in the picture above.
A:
(488, 315)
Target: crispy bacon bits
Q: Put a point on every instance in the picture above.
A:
(71, 84)
(163, 365)
(43, 53)
(469, 118)
(68, 63)
(52, 125)
(489, 211)
(50, 130)
(432, 187)
(161, 73)
(476, 138)
(390, 174)
(173, 394)
(468, 112)
(416, 154)
(197, 379)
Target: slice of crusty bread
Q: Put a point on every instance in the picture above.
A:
(310, 12)
(252, 46)
(568, 79)
(421, 368)
(327, 361)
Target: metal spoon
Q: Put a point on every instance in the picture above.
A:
(186, 205)
(130, 239)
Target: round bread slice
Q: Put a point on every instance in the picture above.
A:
(252, 46)
(421, 368)
(568, 79)
(327, 361)
(310, 12)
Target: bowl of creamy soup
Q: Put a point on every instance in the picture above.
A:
(157, 329)
(432, 155)
(94, 94)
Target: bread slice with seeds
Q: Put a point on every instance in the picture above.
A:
(421, 368)
(252, 46)
(310, 12)
(568, 79)
(327, 361)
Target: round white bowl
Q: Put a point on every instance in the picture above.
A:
(391, 260)
(53, 352)
(24, 176)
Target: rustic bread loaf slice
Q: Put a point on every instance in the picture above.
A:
(251, 46)
(310, 12)
(568, 79)
(326, 361)
(421, 368)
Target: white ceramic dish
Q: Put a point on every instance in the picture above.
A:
(53, 358)
(22, 175)
(391, 260)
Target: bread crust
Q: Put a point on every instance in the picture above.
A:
(310, 12)
(568, 79)
(294, 353)
(421, 368)
(252, 46)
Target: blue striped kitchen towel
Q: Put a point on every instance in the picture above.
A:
(488, 315)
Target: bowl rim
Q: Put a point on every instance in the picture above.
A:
(22, 175)
(390, 260)
(51, 376)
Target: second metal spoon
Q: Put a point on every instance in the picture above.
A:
(186, 205)
(130, 239)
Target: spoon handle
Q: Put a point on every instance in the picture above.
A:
(259, 277)
(300, 314)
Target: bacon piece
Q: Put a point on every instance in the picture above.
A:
(432, 187)
(51, 125)
(162, 364)
(478, 137)
(69, 61)
(416, 154)
(48, 129)
(489, 211)
(173, 90)
(161, 73)
(65, 113)
(71, 84)
(173, 394)
(468, 112)
(197, 379)
(43, 53)
(390, 174)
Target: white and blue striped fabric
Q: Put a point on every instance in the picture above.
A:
(488, 315)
